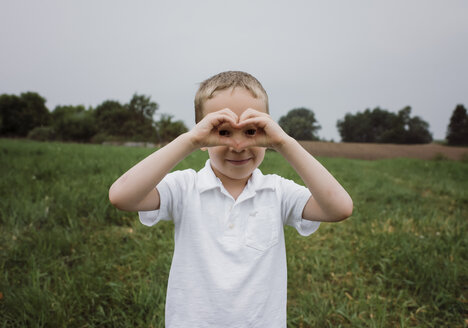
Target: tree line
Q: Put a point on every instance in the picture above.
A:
(26, 115)
(378, 126)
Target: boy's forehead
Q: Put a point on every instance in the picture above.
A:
(236, 99)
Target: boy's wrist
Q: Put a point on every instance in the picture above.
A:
(192, 141)
(285, 143)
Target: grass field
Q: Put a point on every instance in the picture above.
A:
(69, 259)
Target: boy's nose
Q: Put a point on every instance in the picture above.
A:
(238, 139)
(236, 145)
(236, 149)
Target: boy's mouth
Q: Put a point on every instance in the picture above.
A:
(238, 161)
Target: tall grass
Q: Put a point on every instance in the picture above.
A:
(69, 259)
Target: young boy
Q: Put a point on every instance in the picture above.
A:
(229, 262)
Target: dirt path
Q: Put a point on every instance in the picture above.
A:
(379, 151)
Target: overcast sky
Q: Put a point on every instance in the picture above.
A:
(330, 56)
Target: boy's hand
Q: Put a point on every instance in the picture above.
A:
(224, 128)
(209, 131)
(267, 132)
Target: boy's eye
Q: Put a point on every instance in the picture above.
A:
(223, 133)
(251, 132)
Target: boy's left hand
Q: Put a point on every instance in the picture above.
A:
(267, 132)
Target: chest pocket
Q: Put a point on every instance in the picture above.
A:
(261, 231)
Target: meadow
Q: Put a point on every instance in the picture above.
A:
(69, 259)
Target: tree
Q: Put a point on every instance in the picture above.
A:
(418, 131)
(20, 114)
(381, 126)
(111, 117)
(168, 130)
(142, 107)
(368, 126)
(300, 123)
(457, 131)
(141, 125)
(73, 123)
(406, 129)
(133, 121)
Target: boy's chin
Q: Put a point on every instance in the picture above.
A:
(234, 172)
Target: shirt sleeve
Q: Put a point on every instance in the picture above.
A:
(171, 190)
(294, 197)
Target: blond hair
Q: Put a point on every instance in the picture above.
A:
(227, 80)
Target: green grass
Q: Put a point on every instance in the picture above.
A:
(69, 259)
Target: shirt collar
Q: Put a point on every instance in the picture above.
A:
(208, 180)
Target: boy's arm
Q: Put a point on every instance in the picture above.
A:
(329, 201)
(136, 189)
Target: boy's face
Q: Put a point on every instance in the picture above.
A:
(226, 162)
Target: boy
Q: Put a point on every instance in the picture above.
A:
(229, 262)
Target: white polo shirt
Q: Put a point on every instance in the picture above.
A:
(229, 262)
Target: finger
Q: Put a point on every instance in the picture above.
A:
(251, 113)
(216, 140)
(230, 113)
(222, 118)
(225, 129)
(259, 122)
(258, 141)
(207, 128)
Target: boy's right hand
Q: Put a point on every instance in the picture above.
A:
(207, 133)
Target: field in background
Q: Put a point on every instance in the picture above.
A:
(69, 259)
(382, 151)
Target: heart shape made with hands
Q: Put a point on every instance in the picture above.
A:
(240, 136)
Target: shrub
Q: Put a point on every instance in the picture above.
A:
(42, 133)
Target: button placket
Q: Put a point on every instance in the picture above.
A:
(230, 227)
